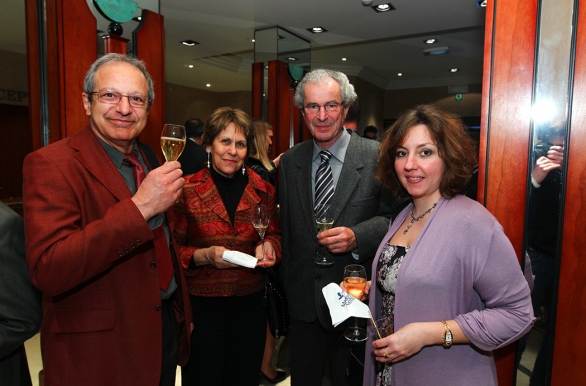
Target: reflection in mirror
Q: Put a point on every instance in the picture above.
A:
(545, 188)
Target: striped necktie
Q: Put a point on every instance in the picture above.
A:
(324, 181)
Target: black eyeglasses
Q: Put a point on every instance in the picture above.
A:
(113, 98)
(330, 107)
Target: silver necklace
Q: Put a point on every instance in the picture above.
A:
(413, 218)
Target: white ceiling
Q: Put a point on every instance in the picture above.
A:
(377, 45)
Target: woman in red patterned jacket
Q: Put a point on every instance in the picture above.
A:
(213, 216)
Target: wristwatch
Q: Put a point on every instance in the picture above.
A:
(448, 337)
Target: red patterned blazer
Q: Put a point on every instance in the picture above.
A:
(201, 221)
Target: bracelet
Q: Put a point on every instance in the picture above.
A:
(448, 337)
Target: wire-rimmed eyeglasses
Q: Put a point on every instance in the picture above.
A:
(113, 98)
(330, 107)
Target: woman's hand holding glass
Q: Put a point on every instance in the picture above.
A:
(265, 254)
(364, 294)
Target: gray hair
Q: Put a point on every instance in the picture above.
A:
(320, 76)
(89, 81)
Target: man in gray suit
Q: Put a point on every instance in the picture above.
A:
(20, 302)
(361, 207)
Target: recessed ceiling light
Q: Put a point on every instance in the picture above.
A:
(317, 30)
(430, 41)
(383, 7)
(252, 40)
(292, 58)
(481, 3)
(266, 67)
(400, 74)
(190, 66)
(344, 59)
(189, 42)
(208, 85)
(454, 70)
(138, 18)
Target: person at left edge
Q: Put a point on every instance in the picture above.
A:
(92, 249)
(20, 302)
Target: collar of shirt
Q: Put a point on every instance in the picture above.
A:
(338, 149)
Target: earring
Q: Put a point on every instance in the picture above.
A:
(243, 169)
(208, 160)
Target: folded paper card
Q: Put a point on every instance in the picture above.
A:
(342, 305)
(239, 258)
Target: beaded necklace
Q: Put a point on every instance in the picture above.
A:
(413, 218)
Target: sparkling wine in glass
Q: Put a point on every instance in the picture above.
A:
(323, 217)
(172, 141)
(260, 219)
(355, 282)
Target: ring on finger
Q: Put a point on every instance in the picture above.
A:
(385, 355)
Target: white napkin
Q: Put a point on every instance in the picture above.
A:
(342, 305)
(239, 258)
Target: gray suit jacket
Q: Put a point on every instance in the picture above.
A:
(20, 303)
(360, 203)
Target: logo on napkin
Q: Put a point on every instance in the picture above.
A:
(342, 305)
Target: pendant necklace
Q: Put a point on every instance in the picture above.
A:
(413, 218)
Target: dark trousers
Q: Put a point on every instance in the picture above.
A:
(228, 340)
(170, 345)
(310, 346)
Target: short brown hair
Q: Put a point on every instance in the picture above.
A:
(455, 148)
(221, 118)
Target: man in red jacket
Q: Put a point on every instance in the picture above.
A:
(97, 230)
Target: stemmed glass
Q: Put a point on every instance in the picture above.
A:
(355, 282)
(259, 216)
(172, 141)
(324, 220)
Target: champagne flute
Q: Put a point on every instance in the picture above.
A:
(324, 220)
(260, 218)
(355, 282)
(172, 141)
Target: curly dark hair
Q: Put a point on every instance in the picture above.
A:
(455, 148)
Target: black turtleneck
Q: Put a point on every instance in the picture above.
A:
(231, 189)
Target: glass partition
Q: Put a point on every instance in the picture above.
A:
(545, 190)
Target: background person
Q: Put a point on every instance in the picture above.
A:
(20, 302)
(446, 278)
(361, 209)
(194, 156)
(370, 132)
(115, 301)
(214, 215)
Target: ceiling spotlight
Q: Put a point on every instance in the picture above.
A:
(189, 42)
(208, 85)
(454, 70)
(481, 3)
(383, 7)
(344, 59)
(292, 59)
(317, 30)
(430, 41)
(400, 74)
(138, 18)
(252, 40)
(366, 2)
(436, 50)
(190, 66)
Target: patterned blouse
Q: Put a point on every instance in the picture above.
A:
(386, 279)
(201, 221)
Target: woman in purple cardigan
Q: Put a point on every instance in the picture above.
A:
(446, 278)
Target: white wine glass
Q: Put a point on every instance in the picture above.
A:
(172, 141)
(324, 220)
(355, 282)
(260, 218)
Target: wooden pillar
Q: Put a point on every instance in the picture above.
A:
(506, 127)
(115, 44)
